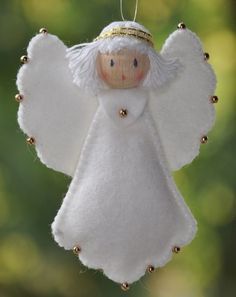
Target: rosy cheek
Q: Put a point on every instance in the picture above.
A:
(139, 76)
(104, 75)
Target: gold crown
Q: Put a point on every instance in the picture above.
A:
(125, 31)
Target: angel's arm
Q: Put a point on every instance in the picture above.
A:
(53, 111)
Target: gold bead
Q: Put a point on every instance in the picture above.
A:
(30, 140)
(214, 99)
(24, 59)
(76, 250)
(204, 139)
(151, 269)
(206, 56)
(123, 113)
(43, 31)
(181, 26)
(125, 286)
(176, 249)
(19, 97)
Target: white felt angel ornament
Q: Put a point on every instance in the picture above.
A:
(119, 117)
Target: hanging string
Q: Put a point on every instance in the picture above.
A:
(135, 12)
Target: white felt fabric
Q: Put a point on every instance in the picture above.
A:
(182, 109)
(54, 111)
(122, 206)
(134, 105)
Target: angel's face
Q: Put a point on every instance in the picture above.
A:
(124, 69)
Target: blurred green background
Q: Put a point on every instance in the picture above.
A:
(31, 264)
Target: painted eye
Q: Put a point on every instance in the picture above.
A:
(135, 62)
(112, 63)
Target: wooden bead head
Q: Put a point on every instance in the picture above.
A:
(123, 69)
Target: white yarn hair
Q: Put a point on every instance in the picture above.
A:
(83, 59)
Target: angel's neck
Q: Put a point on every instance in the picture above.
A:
(120, 93)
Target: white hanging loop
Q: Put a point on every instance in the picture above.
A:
(135, 12)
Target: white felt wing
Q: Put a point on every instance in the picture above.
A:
(182, 109)
(53, 110)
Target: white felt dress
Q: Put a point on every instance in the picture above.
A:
(122, 206)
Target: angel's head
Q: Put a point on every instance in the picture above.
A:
(122, 57)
